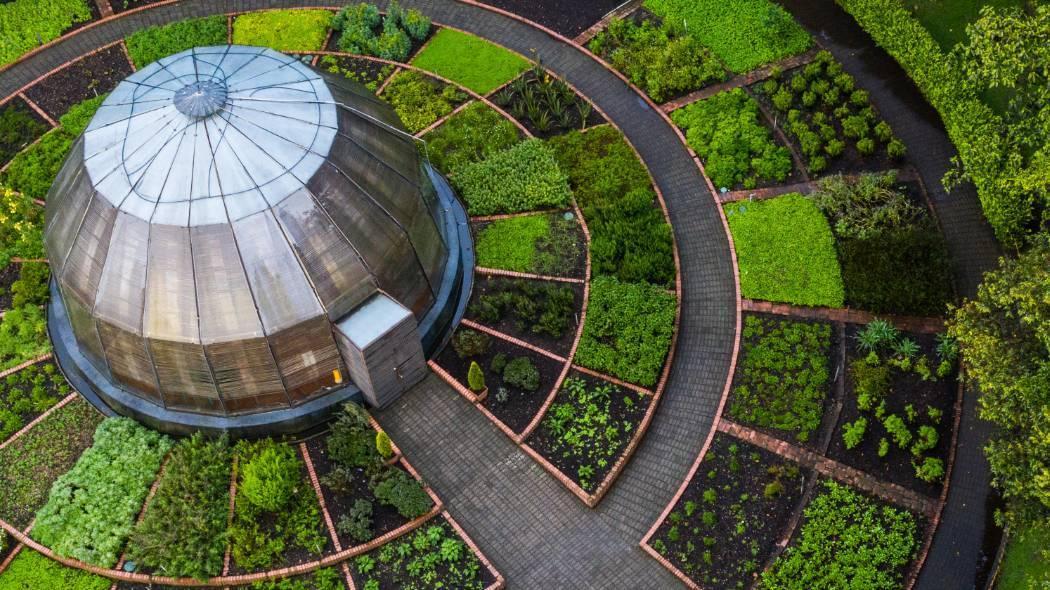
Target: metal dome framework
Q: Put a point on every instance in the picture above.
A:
(223, 210)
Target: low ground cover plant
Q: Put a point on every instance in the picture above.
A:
(846, 537)
(828, 116)
(727, 133)
(1025, 564)
(541, 244)
(283, 30)
(431, 557)
(420, 100)
(545, 104)
(146, 46)
(744, 34)
(23, 336)
(658, 58)
(25, 24)
(469, 60)
(469, 136)
(363, 31)
(327, 578)
(183, 533)
(784, 375)
(534, 307)
(31, 286)
(19, 126)
(92, 508)
(32, 570)
(628, 330)
(21, 227)
(630, 238)
(785, 251)
(369, 73)
(525, 177)
(893, 255)
(27, 393)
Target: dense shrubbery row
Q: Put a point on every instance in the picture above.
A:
(363, 31)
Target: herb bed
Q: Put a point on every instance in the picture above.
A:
(28, 393)
(734, 510)
(486, 287)
(20, 126)
(545, 105)
(366, 71)
(559, 250)
(90, 77)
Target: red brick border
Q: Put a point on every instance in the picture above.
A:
(38, 110)
(499, 583)
(516, 341)
(32, 424)
(620, 11)
(440, 121)
(525, 275)
(847, 315)
(316, 484)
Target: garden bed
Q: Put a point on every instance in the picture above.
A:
(543, 313)
(545, 244)
(283, 30)
(588, 426)
(26, 25)
(420, 100)
(469, 60)
(20, 126)
(545, 105)
(512, 404)
(31, 570)
(90, 77)
(329, 578)
(733, 512)
(8, 276)
(28, 393)
(905, 388)
(368, 72)
(471, 135)
(569, 19)
(394, 35)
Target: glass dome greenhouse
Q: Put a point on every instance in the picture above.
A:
(220, 236)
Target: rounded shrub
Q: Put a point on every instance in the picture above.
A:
(270, 478)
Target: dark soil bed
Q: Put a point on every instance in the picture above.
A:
(598, 453)
(489, 286)
(8, 276)
(94, 75)
(512, 99)
(907, 388)
(370, 73)
(20, 126)
(726, 525)
(520, 406)
(384, 518)
(562, 16)
(95, 15)
(28, 393)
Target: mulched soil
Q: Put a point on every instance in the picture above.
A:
(484, 285)
(575, 263)
(8, 276)
(560, 455)
(87, 78)
(745, 530)
(570, 18)
(22, 134)
(521, 406)
(367, 72)
(834, 367)
(906, 388)
(512, 101)
(384, 518)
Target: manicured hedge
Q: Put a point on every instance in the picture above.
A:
(744, 34)
(283, 30)
(471, 135)
(630, 238)
(92, 508)
(31, 570)
(148, 45)
(785, 252)
(628, 330)
(525, 177)
(24, 24)
(469, 60)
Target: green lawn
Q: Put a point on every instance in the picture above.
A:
(148, 45)
(946, 20)
(32, 570)
(510, 244)
(469, 60)
(1025, 565)
(785, 251)
(283, 30)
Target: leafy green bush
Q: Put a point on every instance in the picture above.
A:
(21, 227)
(92, 508)
(146, 46)
(536, 307)
(431, 557)
(400, 491)
(468, 343)
(357, 523)
(271, 477)
(785, 251)
(28, 392)
(726, 132)
(420, 100)
(283, 30)
(784, 375)
(19, 126)
(525, 177)
(743, 34)
(363, 31)
(846, 539)
(471, 135)
(352, 439)
(23, 335)
(384, 446)
(628, 330)
(510, 244)
(469, 60)
(630, 238)
(32, 570)
(656, 59)
(522, 373)
(31, 288)
(25, 24)
(183, 530)
(475, 377)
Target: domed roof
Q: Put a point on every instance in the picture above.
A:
(225, 207)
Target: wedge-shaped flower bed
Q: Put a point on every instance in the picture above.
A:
(147, 45)
(20, 125)
(283, 30)
(546, 105)
(32, 570)
(546, 244)
(471, 135)
(785, 251)
(469, 60)
(92, 508)
(368, 72)
(82, 80)
(394, 36)
(420, 100)
(731, 515)
(525, 177)
(27, 393)
(30, 464)
(543, 313)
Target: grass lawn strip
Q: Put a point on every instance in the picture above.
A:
(468, 60)
(1026, 563)
(31, 570)
(283, 30)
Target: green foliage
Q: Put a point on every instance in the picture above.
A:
(630, 239)
(32, 570)
(853, 433)
(656, 59)
(871, 383)
(628, 330)
(744, 34)
(420, 100)
(363, 31)
(846, 539)
(19, 126)
(400, 491)
(28, 392)
(475, 377)
(468, 343)
(23, 335)
(469, 60)
(283, 30)
(25, 24)
(520, 372)
(430, 557)
(323, 579)
(1004, 336)
(536, 307)
(384, 446)
(357, 523)
(510, 244)
(21, 227)
(270, 478)
(525, 177)
(783, 377)
(469, 136)
(183, 532)
(785, 251)
(92, 508)
(146, 46)
(1026, 563)
(930, 470)
(725, 130)
(352, 439)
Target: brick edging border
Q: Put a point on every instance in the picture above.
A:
(35, 421)
(848, 315)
